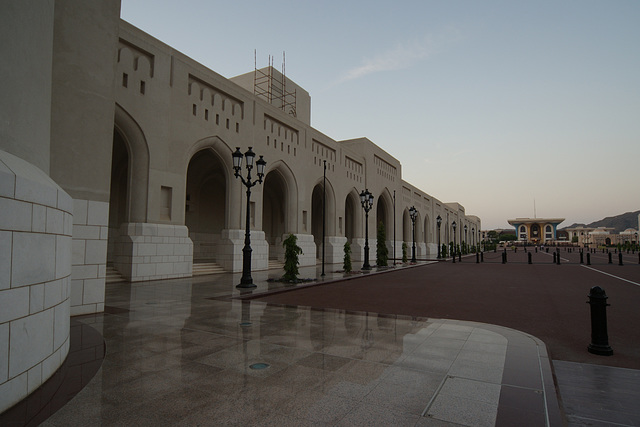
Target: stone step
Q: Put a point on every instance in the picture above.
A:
(275, 264)
(204, 268)
(113, 276)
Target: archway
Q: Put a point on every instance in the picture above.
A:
(274, 210)
(352, 208)
(205, 204)
(118, 196)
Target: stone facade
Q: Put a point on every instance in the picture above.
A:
(116, 149)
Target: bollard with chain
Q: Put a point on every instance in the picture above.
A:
(599, 336)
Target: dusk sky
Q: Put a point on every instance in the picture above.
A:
(492, 104)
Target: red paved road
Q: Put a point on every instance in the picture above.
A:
(542, 299)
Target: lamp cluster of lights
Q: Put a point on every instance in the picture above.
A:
(250, 156)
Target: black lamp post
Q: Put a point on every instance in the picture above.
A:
(453, 252)
(246, 281)
(465, 235)
(413, 213)
(439, 222)
(366, 199)
(473, 239)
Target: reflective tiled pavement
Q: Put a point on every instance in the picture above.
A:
(185, 352)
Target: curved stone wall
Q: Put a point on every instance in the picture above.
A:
(35, 267)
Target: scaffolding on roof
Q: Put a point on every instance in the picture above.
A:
(273, 90)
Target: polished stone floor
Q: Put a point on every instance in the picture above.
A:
(186, 352)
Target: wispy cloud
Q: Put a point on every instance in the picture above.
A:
(402, 56)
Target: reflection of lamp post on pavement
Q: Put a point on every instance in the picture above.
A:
(366, 199)
(413, 213)
(246, 281)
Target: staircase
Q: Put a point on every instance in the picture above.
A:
(275, 264)
(113, 276)
(204, 268)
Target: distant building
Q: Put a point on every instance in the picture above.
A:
(536, 230)
(592, 237)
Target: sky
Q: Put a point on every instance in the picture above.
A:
(510, 108)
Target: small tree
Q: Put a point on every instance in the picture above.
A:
(347, 257)
(382, 252)
(291, 261)
(404, 251)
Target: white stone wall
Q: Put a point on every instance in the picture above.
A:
(90, 233)
(153, 251)
(35, 268)
(230, 250)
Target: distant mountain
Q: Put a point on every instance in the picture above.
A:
(618, 222)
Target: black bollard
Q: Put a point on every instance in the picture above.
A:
(610, 258)
(582, 258)
(504, 257)
(481, 256)
(529, 256)
(477, 257)
(536, 249)
(588, 259)
(547, 250)
(602, 250)
(620, 258)
(454, 257)
(599, 337)
(460, 256)
(554, 257)
(558, 259)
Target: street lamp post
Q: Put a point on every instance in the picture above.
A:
(413, 213)
(453, 252)
(366, 199)
(465, 235)
(473, 239)
(439, 222)
(246, 281)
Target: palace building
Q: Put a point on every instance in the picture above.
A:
(116, 154)
(536, 231)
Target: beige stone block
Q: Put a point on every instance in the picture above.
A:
(95, 252)
(16, 215)
(145, 270)
(93, 291)
(6, 240)
(31, 341)
(43, 193)
(34, 378)
(146, 249)
(61, 322)
(33, 259)
(65, 202)
(7, 181)
(36, 298)
(80, 208)
(88, 232)
(51, 364)
(102, 270)
(39, 218)
(63, 256)
(77, 287)
(77, 251)
(104, 233)
(68, 224)
(52, 293)
(55, 221)
(97, 213)
(12, 391)
(4, 352)
(84, 272)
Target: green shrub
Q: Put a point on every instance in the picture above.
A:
(291, 261)
(347, 257)
(382, 252)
